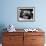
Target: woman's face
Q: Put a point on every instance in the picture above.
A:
(25, 12)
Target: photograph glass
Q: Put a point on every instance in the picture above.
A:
(25, 14)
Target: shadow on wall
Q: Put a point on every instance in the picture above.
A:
(2, 26)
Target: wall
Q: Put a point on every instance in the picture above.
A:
(8, 13)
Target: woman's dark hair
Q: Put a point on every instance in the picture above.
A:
(21, 14)
(30, 16)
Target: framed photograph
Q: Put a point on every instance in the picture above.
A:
(26, 14)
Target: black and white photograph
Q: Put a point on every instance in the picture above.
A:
(26, 14)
